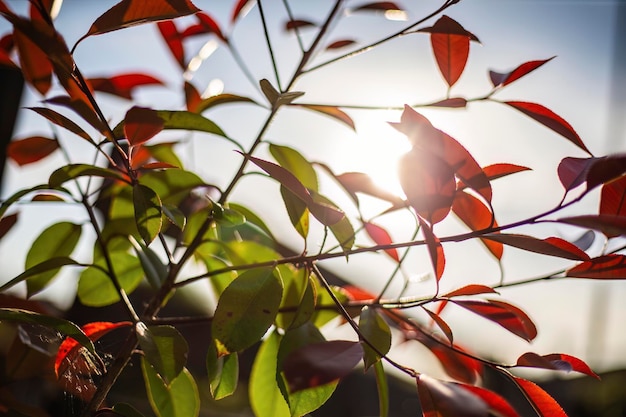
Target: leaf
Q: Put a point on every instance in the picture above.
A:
(266, 399)
(381, 237)
(611, 226)
(62, 121)
(473, 212)
(455, 364)
(331, 111)
(557, 361)
(453, 103)
(605, 170)
(148, 211)
(297, 211)
(496, 171)
(552, 246)
(7, 223)
(164, 348)
(174, 41)
(549, 119)
(342, 230)
(358, 182)
(34, 63)
(503, 79)
(435, 249)
(246, 309)
(611, 266)
(220, 99)
(141, 124)
(154, 269)
(378, 5)
(125, 410)
(56, 241)
(340, 44)
(494, 401)
(81, 108)
(445, 399)
(73, 171)
(326, 214)
(472, 289)
(443, 326)
(62, 326)
(510, 317)
(238, 10)
(129, 13)
(48, 266)
(320, 363)
(613, 200)
(183, 120)
(540, 400)
(298, 24)
(294, 162)
(375, 331)
(179, 399)
(32, 149)
(450, 44)
(271, 94)
(123, 85)
(223, 373)
(206, 24)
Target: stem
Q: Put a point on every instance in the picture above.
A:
(269, 45)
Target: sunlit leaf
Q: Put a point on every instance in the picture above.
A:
(331, 111)
(541, 401)
(179, 399)
(219, 99)
(298, 24)
(56, 241)
(171, 185)
(174, 41)
(610, 225)
(46, 267)
(319, 363)
(297, 211)
(375, 331)
(206, 24)
(299, 296)
(128, 13)
(141, 124)
(455, 364)
(35, 66)
(473, 212)
(472, 289)
(381, 237)
(611, 266)
(443, 326)
(445, 399)
(246, 309)
(496, 171)
(240, 8)
(506, 315)
(223, 373)
(450, 44)
(32, 149)
(62, 121)
(294, 162)
(70, 172)
(552, 246)
(164, 348)
(148, 211)
(123, 85)
(495, 402)
(81, 108)
(435, 250)
(342, 230)
(549, 119)
(358, 182)
(502, 79)
(7, 223)
(340, 44)
(556, 361)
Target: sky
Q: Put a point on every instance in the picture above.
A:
(579, 84)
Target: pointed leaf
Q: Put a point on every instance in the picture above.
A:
(445, 399)
(510, 317)
(32, 149)
(297, 211)
(611, 226)
(378, 5)
(179, 399)
(164, 348)
(473, 212)
(557, 361)
(148, 211)
(605, 170)
(141, 124)
(35, 66)
(549, 119)
(358, 182)
(495, 402)
(453, 103)
(333, 112)
(541, 401)
(206, 25)
(70, 172)
(266, 399)
(174, 41)
(62, 121)
(82, 108)
(7, 223)
(496, 171)
(128, 13)
(381, 237)
(613, 200)
(223, 373)
(294, 162)
(374, 330)
(271, 94)
(552, 246)
(123, 85)
(472, 289)
(183, 120)
(502, 79)
(320, 363)
(246, 309)
(220, 99)
(48, 267)
(435, 250)
(611, 266)
(238, 10)
(443, 326)
(297, 24)
(340, 44)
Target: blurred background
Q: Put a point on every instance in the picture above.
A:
(585, 84)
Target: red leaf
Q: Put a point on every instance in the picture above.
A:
(6, 46)
(604, 267)
(62, 121)
(297, 24)
(495, 402)
(206, 25)
(128, 13)
(381, 237)
(502, 79)
(613, 198)
(435, 250)
(549, 119)
(477, 216)
(331, 111)
(358, 182)
(36, 67)
(454, 102)
(340, 44)
(552, 246)
(606, 169)
(239, 9)
(157, 165)
(611, 226)
(378, 5)
(541, 401)
(32, 149)
(445, 399)
(472, 289)
(7, 223)
(141, 124)
(443, 326)
(573, 171)
(557, 361)
(506, 315)
(192, 98)
(496, 171)
(450, 43)
(80, 107)
(358, 294)
(123, 85)
(320, 363)
(174, 41)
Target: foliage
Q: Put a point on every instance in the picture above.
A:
(151, 218)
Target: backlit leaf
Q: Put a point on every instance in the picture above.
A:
(552, 246)
(7, 223)
(178, 399)
(34, 63)
(378, 5)
(141, 124)
(605, 170)
(472, 289)
(340, 44)
(320, 363)
(219, 99)
(266, 399)
(297, 24)
(611, 266)
(174, 41)
(610, 225)
(506, 315)
(445, 399)
(128, 13)
(502, 79)
(549, 119)
(32, 149)
(223, 373)
(613, 200)
(495, 402)
(540, 400)
(333, 112)
(148, 211)
(455, 364)
(358, 182)
(294, 162)
(82, 108)
(496, 171)
(381, 237)
(342, 230)
(70, 172)
(297, 211)
(48, 267)
(56, 241)
(62, 121)
(557, 361)
(473, 212)
(164, 348)
(206, 24)
(183, 120)
(246, 309)
(123, 85)
(453, 103)
(375, 330)
(435, 249)
(443, 326)
(240, 8)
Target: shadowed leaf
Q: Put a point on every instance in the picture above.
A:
(611, 266)
(164, 348)
(613, 201)
(298, 24)
(378, 5)
(29, 150)
(7, 223)
(556, 361)
(147, 205)
(610, 225)
(340, 44)
(445, 399)
(62, 121)
(34, 63)
(552, 246)
(178, 399)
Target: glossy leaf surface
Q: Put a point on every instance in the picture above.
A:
(266, 399)
(141, 124)
(164, 348)
(62, 121)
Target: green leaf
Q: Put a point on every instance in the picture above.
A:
(126, 410)
(63, 326)
(175, 216)
(62, 121)
(95, 288)
(70, 172)
(179, 399)
(266, 398)
(252, 217)
(298, 297)
(321, 317)
(294, 162)
(223, 373)
(376, 331)
(153, 267)
(342, 230)
(46, 266)
(382, 388)
(248, 252)
(297, 211)
(221, 99)
(19, 194)
(246, 309)
(164, 348)
(147, 206)
(171, 185)
(57, 241)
